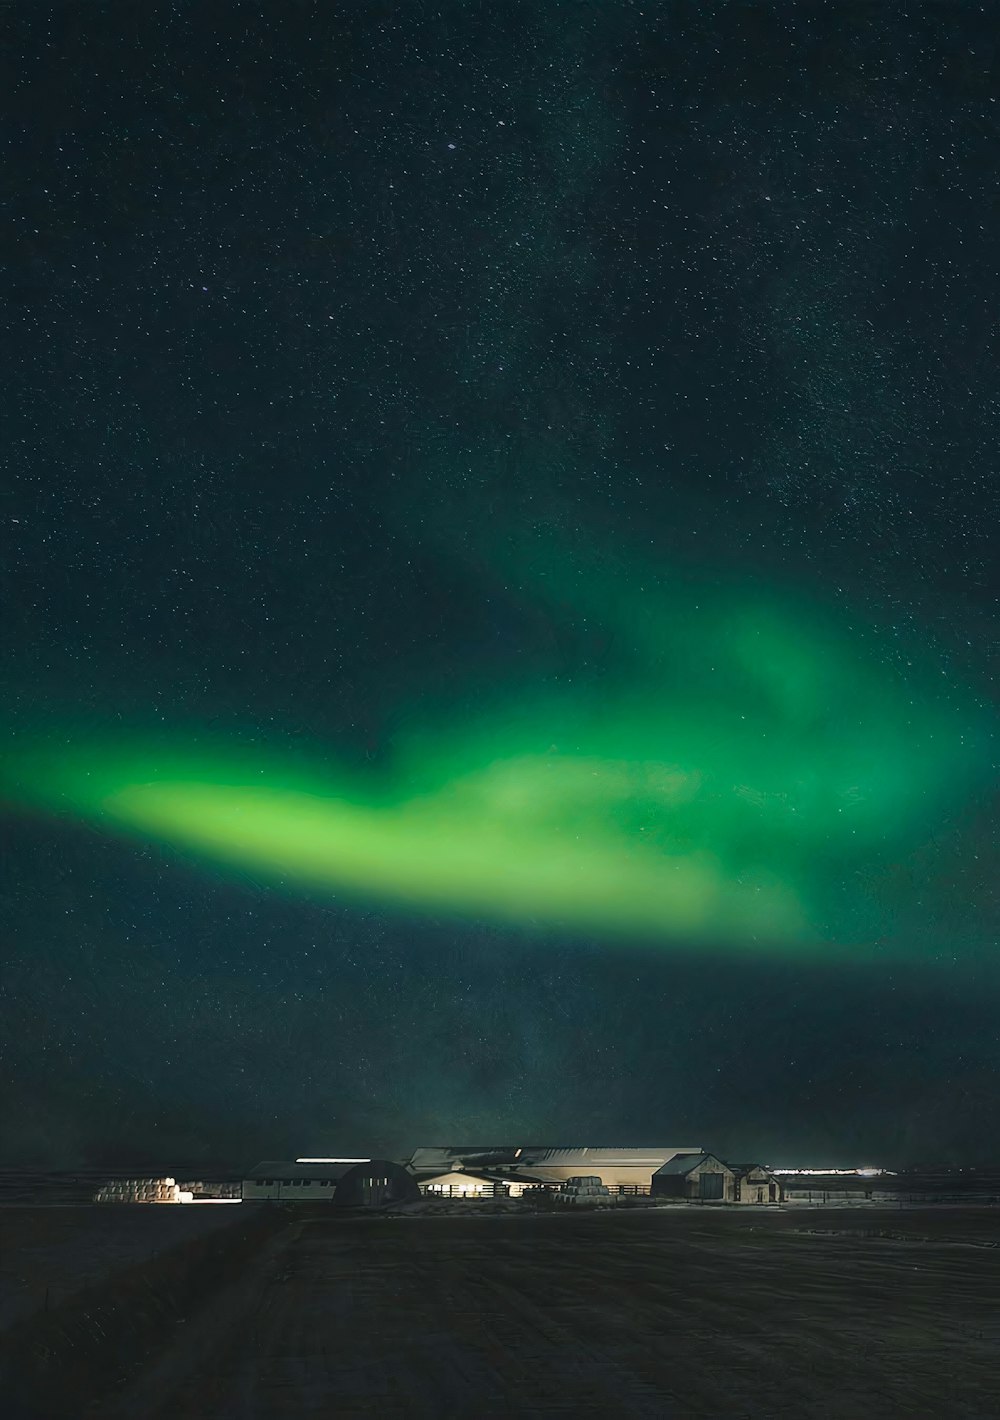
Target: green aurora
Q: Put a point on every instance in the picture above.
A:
(731, 779)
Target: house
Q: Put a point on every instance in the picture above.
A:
(695, 1178)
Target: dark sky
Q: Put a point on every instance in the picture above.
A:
(467, 402)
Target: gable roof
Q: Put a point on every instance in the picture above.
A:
(628, 1156)
(549, 1156)
(682, 1163)
(441, 1157)
(512, 1176)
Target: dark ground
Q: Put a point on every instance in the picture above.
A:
(59, 1251)
(668, 1313)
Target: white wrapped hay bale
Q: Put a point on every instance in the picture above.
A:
(583, 1189)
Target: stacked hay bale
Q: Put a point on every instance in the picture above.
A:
(198, 1188)
(139, 1190)
(584, 1190)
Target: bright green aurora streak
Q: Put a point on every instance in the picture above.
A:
(755, 766)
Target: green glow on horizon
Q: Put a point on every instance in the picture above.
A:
(720, 784)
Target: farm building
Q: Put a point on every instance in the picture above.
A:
(616, 1168)
(431, 1161)
(623, 1168)
(695, 1178)
(374, 1183)
(468, 1183)
(285, 1182)
(364, 1183)
(456, 1184)
(756, 1184)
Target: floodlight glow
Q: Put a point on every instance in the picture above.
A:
(333, 1161)
(867, 1172)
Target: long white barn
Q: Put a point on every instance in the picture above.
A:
(615, 1167)
(281, 1180)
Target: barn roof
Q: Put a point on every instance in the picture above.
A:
(631, 1156)
(529, 1156)
(442, 1157)
(512, 1176)
(684, 1163)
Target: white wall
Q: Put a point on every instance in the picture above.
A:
(256, 1189)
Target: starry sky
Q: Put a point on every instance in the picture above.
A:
(499, 577)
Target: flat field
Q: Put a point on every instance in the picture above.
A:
(666, 1313)
(63, 1249)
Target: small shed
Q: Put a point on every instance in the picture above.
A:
(756, 1184)
(695, 1178)
(374, 1184)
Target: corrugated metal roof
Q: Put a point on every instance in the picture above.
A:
(628, 1156)
(559, 1155)
(440, 1156)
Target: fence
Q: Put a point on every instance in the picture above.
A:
(473, 1190)
(469, 1191)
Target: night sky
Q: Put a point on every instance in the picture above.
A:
(500, 579)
